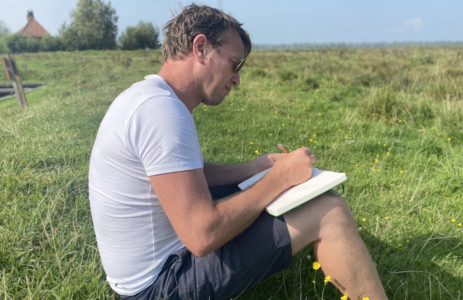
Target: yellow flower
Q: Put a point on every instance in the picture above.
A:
(316, 265)
(313, 281)
(344, 297)
(389, 149)
(374, 169)
(327, 279)
(459, 224)
(453, 220)
(282, 124)
(449, 139)
(379, 143)
(228, 129)
(400, 121)
(315, 128)
(379, 170)
(251, 143)
(257, 151)
(356, 165)
(376, 160)
(365, 298)
(319, 114)
(340, 129)
(386, 218)
(388, 153)
(364, 219)
(314, 135)
(384, 145)
(306, 133)
(401, 172)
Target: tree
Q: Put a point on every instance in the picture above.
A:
(4, 30)
(144, 35)
(93, 26)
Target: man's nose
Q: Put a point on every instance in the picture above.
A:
(236, 79)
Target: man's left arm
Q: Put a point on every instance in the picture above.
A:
(217, 174)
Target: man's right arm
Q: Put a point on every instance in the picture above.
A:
(204, 225)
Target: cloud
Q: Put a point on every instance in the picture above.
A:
(414, 24)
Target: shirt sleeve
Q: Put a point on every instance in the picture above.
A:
(162, 135)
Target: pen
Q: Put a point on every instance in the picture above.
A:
(283, 148)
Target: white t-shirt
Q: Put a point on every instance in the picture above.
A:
(146, 131)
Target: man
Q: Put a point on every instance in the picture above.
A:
(160, 233)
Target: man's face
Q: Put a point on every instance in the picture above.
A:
(220, 75)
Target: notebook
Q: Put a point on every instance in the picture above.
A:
(318, 183)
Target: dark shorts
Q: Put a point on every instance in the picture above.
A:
(260, 251)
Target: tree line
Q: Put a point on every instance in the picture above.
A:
(93, 26)
(297, 46)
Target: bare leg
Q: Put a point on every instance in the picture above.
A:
(327, 222)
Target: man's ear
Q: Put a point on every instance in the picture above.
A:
(200, 47)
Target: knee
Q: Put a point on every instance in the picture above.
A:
(338, 219)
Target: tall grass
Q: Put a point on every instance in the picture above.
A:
(392, 119)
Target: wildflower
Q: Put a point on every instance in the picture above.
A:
(319, 114)
(313, 281)
(314, 135)
(306, 120)
(257, 151)
(459, 224)
(453, 220)
(310, 140)
(339, 129)
(327, 279)
(318, 123)
(376, 160)
(389, 149)
(374, 169)
(276, 111)
(384, 145)
(231, 104)
(379, 143)
(379, 170)
(228, 129)
(390, 153)
(400, 121)
(365, 298)
(306, 133)
(316, 265)
(386, 218)
(344, 297)
(390, 192)
(204, 109)
(282, 124)
(251, 143)
(449, 139)
(401, 172)
(408, 241)
(315, 128)
(364, 219)
(356, 165)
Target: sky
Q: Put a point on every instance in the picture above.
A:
(280, 22)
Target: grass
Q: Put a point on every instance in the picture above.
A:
(392, 119)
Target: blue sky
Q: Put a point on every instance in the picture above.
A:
(275, 22)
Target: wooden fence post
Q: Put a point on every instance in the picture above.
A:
(13, 74)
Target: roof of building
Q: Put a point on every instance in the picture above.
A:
(32, 28)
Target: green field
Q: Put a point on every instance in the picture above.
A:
(392, 119)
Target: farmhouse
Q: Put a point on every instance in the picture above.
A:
(32, 28)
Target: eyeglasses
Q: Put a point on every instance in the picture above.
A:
(242, 61)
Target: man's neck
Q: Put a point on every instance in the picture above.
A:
(178, 75)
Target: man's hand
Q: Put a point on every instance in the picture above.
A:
(264, 162)
(294, 168)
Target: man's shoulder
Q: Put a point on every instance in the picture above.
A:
(152, 94)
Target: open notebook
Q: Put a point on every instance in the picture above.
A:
(319, 182)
